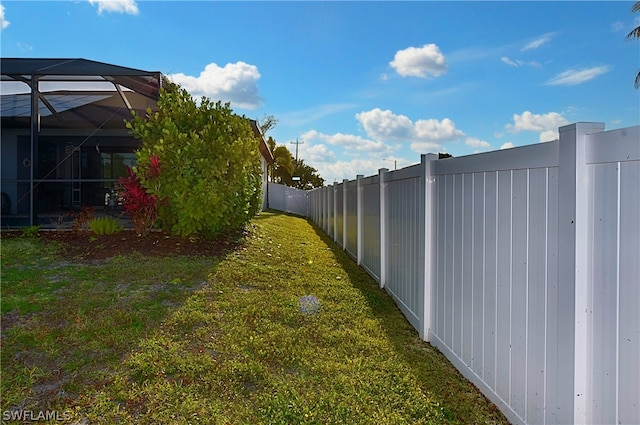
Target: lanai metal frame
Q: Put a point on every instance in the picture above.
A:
(35, 71)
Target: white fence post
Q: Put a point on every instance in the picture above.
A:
(359, 214)
(335, 212)
(383, 227)
(429, 241)
(574, 302)
(345, 183)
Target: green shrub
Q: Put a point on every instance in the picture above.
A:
(105, 226)
(31, 231)
(208, 174)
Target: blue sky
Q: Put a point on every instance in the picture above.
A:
(362, 84)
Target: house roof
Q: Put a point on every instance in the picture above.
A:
(264, 148)
(74, 93)
(73, 110)
(25, 70)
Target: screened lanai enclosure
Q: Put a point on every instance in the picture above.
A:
(64, 139)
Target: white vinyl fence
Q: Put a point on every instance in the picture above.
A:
(288, 199)
(522, 266)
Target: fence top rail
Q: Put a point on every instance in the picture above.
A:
(614, 146)
(375, 179)
(410, 172)
(540, 155)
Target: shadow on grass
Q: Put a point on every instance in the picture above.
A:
(264, 215)
(460, 399)
(67, 326)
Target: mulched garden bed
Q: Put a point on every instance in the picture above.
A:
(87, 246)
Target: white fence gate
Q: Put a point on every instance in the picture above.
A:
(288, 199)
(522, 266)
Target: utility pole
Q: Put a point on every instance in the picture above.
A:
(395, 162)
(297, 143)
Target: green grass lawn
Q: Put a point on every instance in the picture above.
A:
(220, 340)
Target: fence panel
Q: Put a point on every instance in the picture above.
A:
(371, 226)
(405, 256)
(330, 212)
(339, 207)
(277, 198)
(492, 247)
(316, 205)
(296, 201)
(288, 199)
(535, 252)
(311, 205)
(628, 342)
(325, 210)
(352, 218)
(614, 253)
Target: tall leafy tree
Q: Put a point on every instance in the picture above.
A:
(635, 34)
(282, 168)
(209, 178)
(271, 143)
(283, 165)
(309, 177)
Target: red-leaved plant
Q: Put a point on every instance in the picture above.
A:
(140, 205)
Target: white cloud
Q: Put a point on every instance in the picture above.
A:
(3, 22)
(509, 61)
(434, 130)
(385, 125)
(427, 134)
(117, 6)
(477, 144)
(235, 83)
(518, 63)
(534, 44)
(617, 26)
(427, 147)
(419, 61)
(387, 133)
(337, 171)
(507, 145)
(351, 143)
(316, 153)
(546, 124)
(573, 77)
(549, 136)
